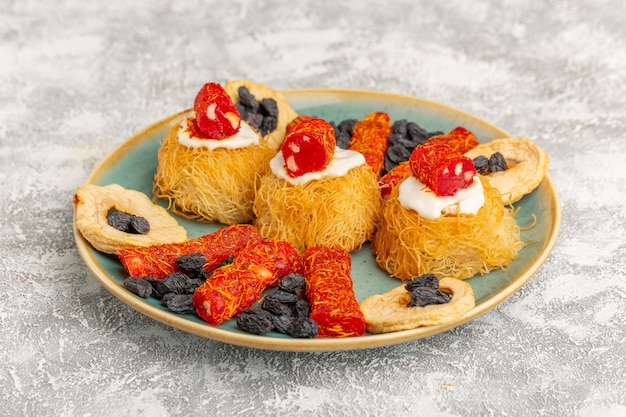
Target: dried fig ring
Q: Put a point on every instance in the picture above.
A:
(527, 165)
(388, 312)
(285, 112)
(93, 202)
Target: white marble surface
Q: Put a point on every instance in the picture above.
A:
(77, 78)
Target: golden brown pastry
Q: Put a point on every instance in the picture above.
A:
(389, 312)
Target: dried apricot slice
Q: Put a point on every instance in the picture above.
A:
(527, 165)
(389, 312)
(93, 202)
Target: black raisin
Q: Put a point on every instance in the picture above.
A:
(158, 287)
(243, 110)
(398, 153)
(255, 119)
(303, 328)
(282, 323)
(191, 262)
(283, 296)
(400, 127)
(395, 138)
(302, 308)
(128, 223)
(138, 286)
(118, 220)
(179, 303)
(347, 125)
(269, 107)
(497, 162)
(481, 164)
(423, 296)
(416, 133)
(388, 164)
(292, 282)
(247, 99)
(138, 225)
(194, 283)
(425, 280)
(178, 283)
(268, 124)
(343, 139)
(276, 307)
(255, 321)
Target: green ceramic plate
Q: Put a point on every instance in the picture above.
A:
(133, 165)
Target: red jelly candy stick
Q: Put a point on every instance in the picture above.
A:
(235, 287)
(331, 293)
(393, 178)
(295, 122)
(458, 139)
(370, 137)
(216, 114)
(441, 169)
(158, 261)
(309, 146)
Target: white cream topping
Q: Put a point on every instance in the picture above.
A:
(246, 136)
(343, 161)
(416, 196)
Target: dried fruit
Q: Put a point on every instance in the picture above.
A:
(276, 307)
(425, 280)
(527, 165)
(92, 203)
(292, 282)
(303, 327)
(497, 162)
(255, 321)
(128, 223)
(191, 262)
(282, 296)
(389, 312)
(193, 265)
(179, 283)
(343, 132)
(178, 303)
(423, 296)
(138, 286)
(282, 323)
(481, 164)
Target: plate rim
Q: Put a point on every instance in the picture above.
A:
(293, 344)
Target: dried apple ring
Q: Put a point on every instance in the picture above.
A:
(527, 165)
(388, 312)
(285, 112)
(93, 202)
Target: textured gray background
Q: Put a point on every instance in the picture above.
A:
(77, 78)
